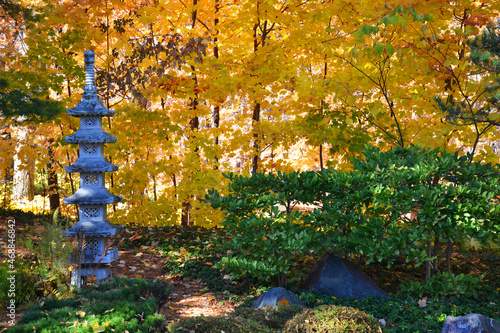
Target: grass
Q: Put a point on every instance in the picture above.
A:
(192, 252)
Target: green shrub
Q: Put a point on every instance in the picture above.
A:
(42, 272)
(46, 272)
(23, 281)
(266, 247)
(264, 243)
(28, 218)
(446, 284)
(327, 318)
(369, 207)
(363, 213)
(120, 305)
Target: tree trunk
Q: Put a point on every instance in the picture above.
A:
(435, 262)
(5, 134)
(449, 245)
(186, 205)
(186, 213)
(265, 29)
(216, 111)
(54, 199)
(429, 253)
(321, 157)
(256, 119)
(23, 171)
(215, 124)
(194, 125)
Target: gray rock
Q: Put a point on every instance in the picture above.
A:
(341, 278)
(471, 323)
(274, 296)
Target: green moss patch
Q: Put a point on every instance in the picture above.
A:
(328, 318)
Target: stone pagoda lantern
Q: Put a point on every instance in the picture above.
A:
(92, 197)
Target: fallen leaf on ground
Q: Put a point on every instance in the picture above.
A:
(423, 302)
(135, 237)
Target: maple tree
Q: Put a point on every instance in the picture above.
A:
(19, 101)
(23, 103)
(206, 86)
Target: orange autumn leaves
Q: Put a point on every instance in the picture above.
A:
(185, 117)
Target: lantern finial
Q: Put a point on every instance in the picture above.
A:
(90, 87)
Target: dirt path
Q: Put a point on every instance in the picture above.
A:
(189, 298)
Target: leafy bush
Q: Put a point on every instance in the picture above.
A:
(446, 284)
(120, 305)
(28, 218)
(327, 318)
(399, 205)
(267, 247)
(264, 242)
(23, 280)
(370, 208)
(51, 253)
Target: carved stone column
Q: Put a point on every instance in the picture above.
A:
(92, 197)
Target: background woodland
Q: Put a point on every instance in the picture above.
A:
(206, 87)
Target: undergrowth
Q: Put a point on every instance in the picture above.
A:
(117, 306)
(192, 252)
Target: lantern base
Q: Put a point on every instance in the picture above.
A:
(102, 274)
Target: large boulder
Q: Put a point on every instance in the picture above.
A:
(471, 323)
(341, 278)
(276, 296)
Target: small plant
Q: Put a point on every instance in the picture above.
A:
(274, 318)
(46, 271)
(25, 278)
(412, 287)
(161, 291)
(446, 284)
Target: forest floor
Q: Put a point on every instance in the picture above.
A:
(189, 297)
(186, 257)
